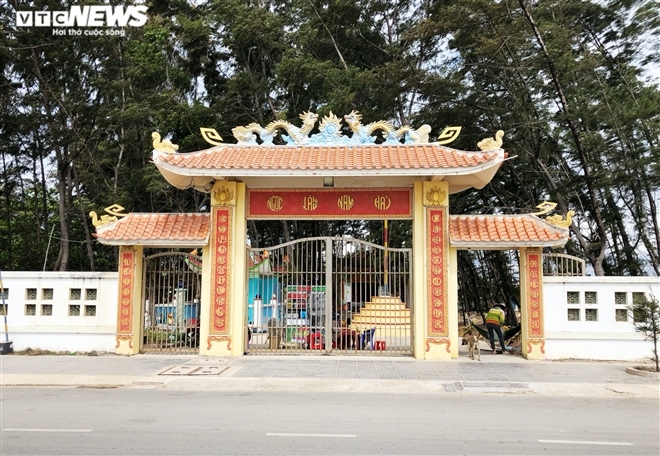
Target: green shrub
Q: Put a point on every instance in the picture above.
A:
(646, 318)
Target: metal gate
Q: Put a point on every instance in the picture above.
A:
(172, 287)
(322, 295)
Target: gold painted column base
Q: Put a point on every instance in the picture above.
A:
(217, 346)
(535, 349)
(438, 348)
(125, 345)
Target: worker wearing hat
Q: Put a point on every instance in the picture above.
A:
(494, 321)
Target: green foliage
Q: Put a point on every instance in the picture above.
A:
(564, 79)
(646, 318)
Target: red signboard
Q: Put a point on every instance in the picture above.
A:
(125, 317)
(341, 204)
(437, 273)
(221, 258)
(534, 272)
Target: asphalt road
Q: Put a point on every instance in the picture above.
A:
(79, 421)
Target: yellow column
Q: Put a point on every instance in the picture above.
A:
(531, 305)
(437, 332)
(239, 272)
(419, 272)
(129, 302)
(224, 273)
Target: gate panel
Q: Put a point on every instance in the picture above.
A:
(288, 297)
(172, 288)
(322, 295)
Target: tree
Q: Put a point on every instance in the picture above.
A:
(646, 318)
(562, 78)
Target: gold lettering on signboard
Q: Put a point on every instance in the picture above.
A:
(382, 202)
(345, 202)
(274, 203)
(310, 203)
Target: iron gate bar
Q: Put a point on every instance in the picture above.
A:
(170, 304)
(329, 294)
(325, 294)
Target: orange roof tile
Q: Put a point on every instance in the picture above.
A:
(486, 232)
(328, 158)
(157, 229)
(504, 231)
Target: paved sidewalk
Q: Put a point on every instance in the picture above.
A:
(494, 374)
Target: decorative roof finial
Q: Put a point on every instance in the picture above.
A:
(211, 136)
(560, 220)
(163, 146)
(115, 212)
(449, 135)
(490, 143)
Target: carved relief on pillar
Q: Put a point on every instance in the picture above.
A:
(437, 256)
(534, 296)
(126, 287)
(221, 245)
(445, 342)
(436, 194)
(212, 339)
(127, 338)
(533, 342)
(223, 194)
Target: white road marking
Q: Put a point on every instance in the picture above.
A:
(277, 434)
(586, 442)
(46, 430)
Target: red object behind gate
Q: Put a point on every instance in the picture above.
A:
(380, 345)
(316, 341)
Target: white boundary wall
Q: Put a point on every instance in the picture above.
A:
(94, 294)
(593, 331)
(61, 311)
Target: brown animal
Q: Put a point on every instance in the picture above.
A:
(472, 341)
(471, 338)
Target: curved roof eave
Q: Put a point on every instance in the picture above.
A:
(459, 177)
(467, 245)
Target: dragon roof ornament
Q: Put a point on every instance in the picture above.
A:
(558, 220)
(115, 211)
(330, 132)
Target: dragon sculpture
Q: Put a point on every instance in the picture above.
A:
(248, 134)
(410, 135)
(330, 131)
(363, 133)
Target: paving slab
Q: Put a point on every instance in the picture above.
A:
(495, 374)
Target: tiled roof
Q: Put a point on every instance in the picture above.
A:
(157, 229)
(466, 231)
(504, 231)
(328, 158)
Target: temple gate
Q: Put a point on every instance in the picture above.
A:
(330, 175)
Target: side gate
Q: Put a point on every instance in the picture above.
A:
(327, 294)
(172, 287)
